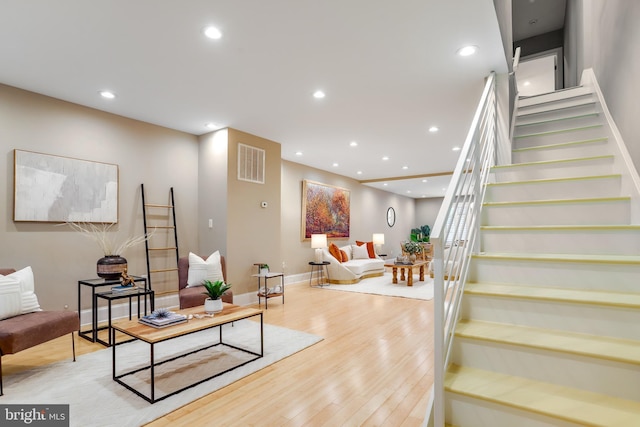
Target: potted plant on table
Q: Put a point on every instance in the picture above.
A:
(412, 248)
(264, 269)
(214, 292)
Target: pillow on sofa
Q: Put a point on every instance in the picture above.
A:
(201, 270)
(10, 297)
(370, 249)
(346, 252)
(28, 299)
(360, 252)
(335, 251)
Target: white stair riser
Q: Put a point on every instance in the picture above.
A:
(588, 107)
(606, 377)
(564, 241)
(463, 411)
(589, 167)
(595, 213)
(571, 96)
(575, 275)
(560, 137)
(600, 187)
(568, 122)
(582, 318)
(575, 151)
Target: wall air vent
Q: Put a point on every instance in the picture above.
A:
(251, 163)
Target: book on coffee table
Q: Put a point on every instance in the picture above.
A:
(162, 321)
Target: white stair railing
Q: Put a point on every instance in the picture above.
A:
(455, 230)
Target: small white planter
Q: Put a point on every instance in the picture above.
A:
(212, 305)
(264, 271)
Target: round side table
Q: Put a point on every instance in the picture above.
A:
(317, 268)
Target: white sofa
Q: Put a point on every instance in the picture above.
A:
(353, 270)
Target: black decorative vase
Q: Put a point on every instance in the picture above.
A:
(111, 267)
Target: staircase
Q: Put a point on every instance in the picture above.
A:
(549, 333)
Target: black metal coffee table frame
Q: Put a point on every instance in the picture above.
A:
(152, 364)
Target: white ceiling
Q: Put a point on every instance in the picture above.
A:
(389, 70)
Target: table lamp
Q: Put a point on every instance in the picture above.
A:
(378, 240)
(318, 242)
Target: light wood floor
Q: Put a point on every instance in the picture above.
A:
(373, 368)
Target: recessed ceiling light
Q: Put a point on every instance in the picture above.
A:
(213, 126)
(335, 165)
(424, 195)
(359, 172)
(467, 50)
(298, 153)
(408, 191)
(385, 184)
(456, 148)
(433, 129)
(424, 180)
(353, 144)
(318, 94)
(527, 83)
(405, 167)
(212, 33)
(385, 158)
(107, 94)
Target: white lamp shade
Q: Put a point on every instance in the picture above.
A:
(378, 239)
(318, 241)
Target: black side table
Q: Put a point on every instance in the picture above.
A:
(317, 267)
(111, 296)
(92, 334)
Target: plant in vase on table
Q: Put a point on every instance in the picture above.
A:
(412, 248)
(264, 269)
(112, 265)
(214, 292)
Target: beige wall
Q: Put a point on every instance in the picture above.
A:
(253, 232)
(427, 211)
(368, 215)
(156, 156)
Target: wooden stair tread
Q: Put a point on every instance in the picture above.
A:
(598, 258)
(614, 349)
(559, 201)
(572, 405)
(552, 180)
(577, 296)
(559, 145)
(525, 114)
(555, 132)
(549, 162)
(587, 227)
(580, 116)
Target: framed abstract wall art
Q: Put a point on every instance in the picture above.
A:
(51, 188)
(325, 210)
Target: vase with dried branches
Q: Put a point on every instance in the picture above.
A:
(113, 264)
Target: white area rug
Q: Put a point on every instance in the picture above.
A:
(95, 399)
(382, 286)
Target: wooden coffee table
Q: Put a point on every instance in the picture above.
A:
(402, 267)
(230, 313)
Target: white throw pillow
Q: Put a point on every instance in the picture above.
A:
(10, 297)
(201, 270)
(28, 299)
(360, 252)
